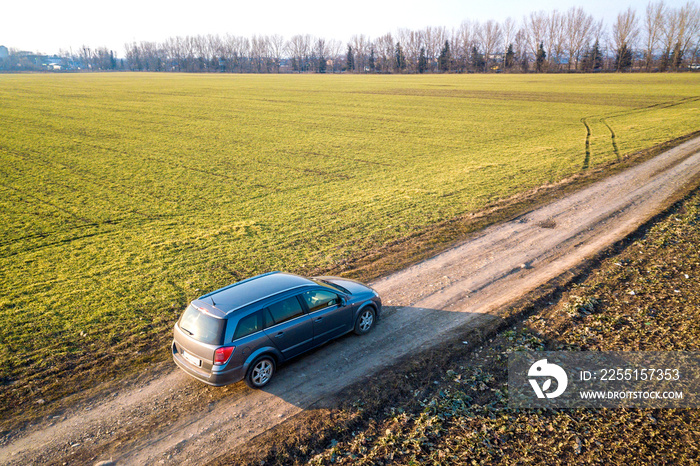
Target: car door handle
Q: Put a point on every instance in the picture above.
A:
(279, 335)
(319, 319)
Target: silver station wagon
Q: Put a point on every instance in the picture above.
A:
(243, 331)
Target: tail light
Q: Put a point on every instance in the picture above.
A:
(222, 355)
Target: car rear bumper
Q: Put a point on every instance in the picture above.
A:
(216, 379)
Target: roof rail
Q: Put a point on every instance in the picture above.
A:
(238, 283)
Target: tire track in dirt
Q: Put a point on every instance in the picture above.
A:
(613, 136)
(165, 420)
(612, 139)
(587, 159)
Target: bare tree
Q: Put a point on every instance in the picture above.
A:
(218, 48)
(624, 36)
(173, 52)
(695, 54)
(259, 53)
(508, 31)
(692, 34)
(669, 33)
(153, 56)
(490, 37)
(598, 31)
(276, 47)
(556, 38)
(187, 51)
(456, 52)
(536, 27)
(433, 39)
(429, 45)
(412, 42)
(520, 47)
(202, 52)
(306, 47)
(440, 36)
(384, 48)
(85, 56)
(236, 53)
(653, 26)
(335, 51)
(360, 45)
(579, 26)
(688, 30)
(321, 54)
(298, 48)
(243, 53)
(463, 41)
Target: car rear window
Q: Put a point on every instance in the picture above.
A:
(248, 325)
(202, 327)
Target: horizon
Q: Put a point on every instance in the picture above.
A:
(61, 28)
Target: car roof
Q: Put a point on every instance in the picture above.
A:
(253, 289)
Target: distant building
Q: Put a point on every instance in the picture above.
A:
(4, 53)
(53, 63)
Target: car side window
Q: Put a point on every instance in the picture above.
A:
(286, 309)
(267, 318)
(248, 325)
(318, 299)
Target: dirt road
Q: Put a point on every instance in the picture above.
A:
(174, 420)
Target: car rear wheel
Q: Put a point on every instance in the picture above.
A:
(260, 372)
(365, 321)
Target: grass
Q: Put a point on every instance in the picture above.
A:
(124, 196)
(449, 406)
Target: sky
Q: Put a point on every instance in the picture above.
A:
(48, 26)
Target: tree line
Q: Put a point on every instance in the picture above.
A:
(661, 38)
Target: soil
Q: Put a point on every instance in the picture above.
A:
(166, 418)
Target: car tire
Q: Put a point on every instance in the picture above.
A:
(260, 372)
(365, 321)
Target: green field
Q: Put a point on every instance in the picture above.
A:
(123, 196)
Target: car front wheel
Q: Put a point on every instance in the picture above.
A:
(365, 321)
(260, 372)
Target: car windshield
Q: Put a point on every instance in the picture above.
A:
(323, 282)
(202, 327)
